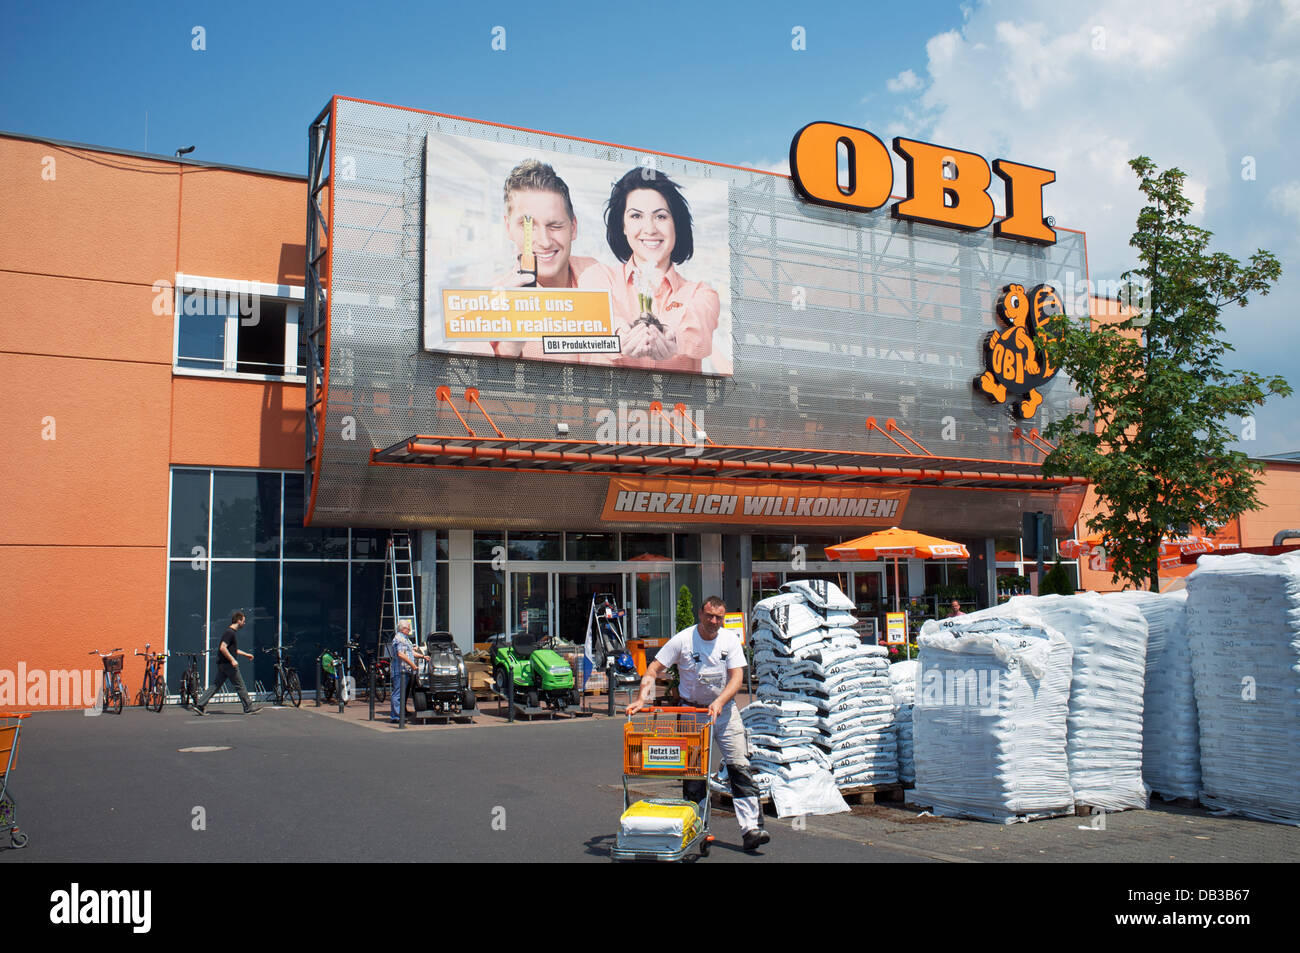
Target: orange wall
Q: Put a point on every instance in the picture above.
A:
(83, 518)
(238, 423)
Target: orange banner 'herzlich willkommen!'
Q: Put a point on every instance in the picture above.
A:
(759, 502)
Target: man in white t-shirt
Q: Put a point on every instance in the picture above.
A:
(711, 666)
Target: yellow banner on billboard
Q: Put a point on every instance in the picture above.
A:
(524, 314)
(757, 502)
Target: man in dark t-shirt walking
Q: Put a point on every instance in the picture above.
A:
(228, 669)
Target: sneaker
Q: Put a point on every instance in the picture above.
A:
(253, 711)
(755, 839)
(197, 710)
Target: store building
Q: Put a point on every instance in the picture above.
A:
(177, 342)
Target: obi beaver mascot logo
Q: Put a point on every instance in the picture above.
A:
(1016, 358)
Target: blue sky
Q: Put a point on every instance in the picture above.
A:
(1211, 87)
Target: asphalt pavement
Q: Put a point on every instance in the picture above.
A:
(308, 785)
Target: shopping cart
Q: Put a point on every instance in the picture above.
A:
(666, 743)
(10, 726)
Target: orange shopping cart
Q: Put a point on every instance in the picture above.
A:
(10, 726)
(665, 743)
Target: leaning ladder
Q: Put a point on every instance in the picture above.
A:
(399, 588)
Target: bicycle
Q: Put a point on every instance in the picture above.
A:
(287, 685)
(113, 691)
(191, 680)
(334, 676)
(153, 690)
(361, 672)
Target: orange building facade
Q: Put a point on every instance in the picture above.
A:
(96, 411)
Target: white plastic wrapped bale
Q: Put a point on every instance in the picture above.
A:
(992, 699)
(1171, 752)
(902, 685)
(1106, 695)
(1243, 617)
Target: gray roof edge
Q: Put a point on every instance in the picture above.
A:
(66, 144)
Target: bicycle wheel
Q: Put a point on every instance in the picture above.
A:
(119, 696)
(156, 694)
(292, 690)
(106, 693)
(186, 693)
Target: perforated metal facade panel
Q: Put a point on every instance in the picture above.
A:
(892, 322)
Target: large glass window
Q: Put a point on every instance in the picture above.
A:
(686, 547)
(313, 587)
(535, 546)
(190, 493)
(201, 331)
(486, 543)
(252, 588)
(261, 342)
(688, 575)
(315, 612)
(647, 546)
(489, 602)
(225, 327)
(770, 548)
(187, 618)
(246, 515)
(368, 581)
(308, 542)
(529, 595)
(591, 547)
(654, 606)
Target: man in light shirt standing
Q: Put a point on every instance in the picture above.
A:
(711, 664)
(404, 654)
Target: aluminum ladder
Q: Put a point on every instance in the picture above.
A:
(399, 588)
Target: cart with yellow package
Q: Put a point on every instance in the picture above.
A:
(660, 744)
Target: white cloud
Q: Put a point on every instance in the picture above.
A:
(904, 82)
(1287, 198)
(781, 166)
(1083, 90)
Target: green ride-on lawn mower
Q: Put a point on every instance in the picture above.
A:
(541, 675)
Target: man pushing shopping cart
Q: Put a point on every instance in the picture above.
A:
(710, 665)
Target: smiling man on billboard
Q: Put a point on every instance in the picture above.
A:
(542, 225)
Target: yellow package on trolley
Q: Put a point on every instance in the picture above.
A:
(660, 826)
(665, 744)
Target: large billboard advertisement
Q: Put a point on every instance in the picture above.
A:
(555, 256)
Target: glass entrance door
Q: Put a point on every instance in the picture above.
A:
(573, 604)
(531, 604)
(655, 606)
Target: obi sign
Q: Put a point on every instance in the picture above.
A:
(944, 186)
(1016, 357)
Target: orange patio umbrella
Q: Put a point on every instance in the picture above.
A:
(897, 544)
(1172, 548)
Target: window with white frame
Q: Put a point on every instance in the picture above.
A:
(237, 328)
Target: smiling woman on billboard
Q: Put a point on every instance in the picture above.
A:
(519, 273)
(663, 320)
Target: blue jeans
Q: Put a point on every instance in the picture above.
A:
(401, 682)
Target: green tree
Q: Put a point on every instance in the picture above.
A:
(1056, 581)
(685, 609)
(1153, 439)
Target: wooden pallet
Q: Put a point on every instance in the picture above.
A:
(873, 793)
